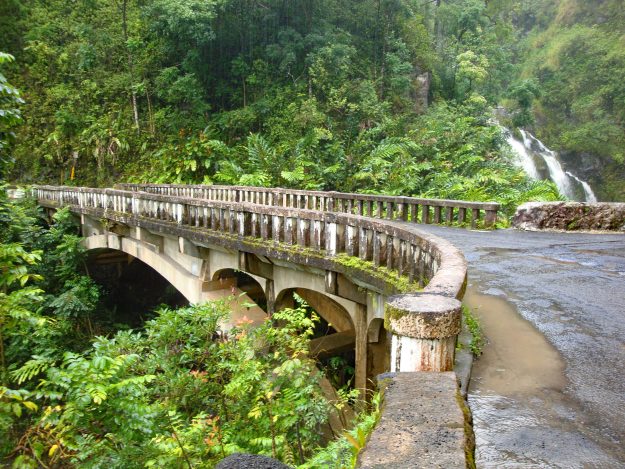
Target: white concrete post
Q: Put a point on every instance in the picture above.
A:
(424, 331)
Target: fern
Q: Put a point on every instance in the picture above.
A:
(33, 367)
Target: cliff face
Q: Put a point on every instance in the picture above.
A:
(605, 176)
(575, 51)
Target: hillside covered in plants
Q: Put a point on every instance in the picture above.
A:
(390, 96)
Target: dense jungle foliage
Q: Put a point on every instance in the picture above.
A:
(322, 94)
(78, 391)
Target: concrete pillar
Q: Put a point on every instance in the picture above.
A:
(270, 293)
(424, 330)
(491, 218)
(360, 324)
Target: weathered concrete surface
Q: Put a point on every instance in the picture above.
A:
(570, 286)
(570, 216)
(197, 239)
(422, 424)
(424, 330)
(423, 316)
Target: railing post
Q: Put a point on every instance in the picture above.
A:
(491, 218)
(449, 214)
(425, 214)
(462, 215)
(437, 214)
(331, 241)
(424, 331)
(475, 217)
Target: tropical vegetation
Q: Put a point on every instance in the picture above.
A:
(390, 96)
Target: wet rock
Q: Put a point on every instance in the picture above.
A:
(570, 216)
(250, 461)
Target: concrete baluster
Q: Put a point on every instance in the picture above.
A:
(359, 208)
(491, 218)
(424, 331)
(390, 209)
(377, 247)
(213, 218)
(437, 214)
(303, 230)
(390, 252)
(379, 209)
(401, 256)
(315, 235)
(264, 226)
(351, 240)
(402, 212)
(331, 241)
(414, 212)
(449, 215)
(276, 228)
(425, 214)
(475, 217)
(254, 223)
(241, 221)
(462, 215)
(289, 229)
(412, 261)
(363, 243)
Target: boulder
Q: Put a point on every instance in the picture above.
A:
(602, 216)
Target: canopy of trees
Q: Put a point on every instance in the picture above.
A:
(322, 94)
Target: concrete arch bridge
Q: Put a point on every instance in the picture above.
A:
(389, 290)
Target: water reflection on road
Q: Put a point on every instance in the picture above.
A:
(523, 417)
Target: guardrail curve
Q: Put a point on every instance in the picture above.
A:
(416, 210)
(418, 319)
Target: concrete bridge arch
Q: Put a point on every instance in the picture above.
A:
(396, 287)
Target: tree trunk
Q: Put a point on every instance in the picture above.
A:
(150, 115)
(133, 93)
(438, 29)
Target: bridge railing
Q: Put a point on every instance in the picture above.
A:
(416, 210)
(424, 324)
(383, 243)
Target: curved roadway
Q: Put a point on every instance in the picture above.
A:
(571, 288)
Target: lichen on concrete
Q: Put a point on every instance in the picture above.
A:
(423, 316)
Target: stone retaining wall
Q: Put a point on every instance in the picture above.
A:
(570, 216)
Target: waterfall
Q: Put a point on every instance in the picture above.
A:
(539, 162)
(525, 159)
(590, 195)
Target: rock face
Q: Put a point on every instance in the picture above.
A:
(570, 216)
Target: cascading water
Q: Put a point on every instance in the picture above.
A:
(539, 162)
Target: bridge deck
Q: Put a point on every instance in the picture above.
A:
(570, 286)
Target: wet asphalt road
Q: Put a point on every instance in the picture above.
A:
(571, 287)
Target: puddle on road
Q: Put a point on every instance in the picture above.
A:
(518, 360)
(521, 416)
